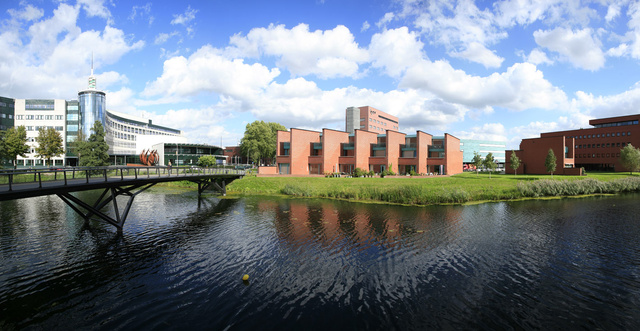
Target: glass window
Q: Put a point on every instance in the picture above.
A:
(629, 133)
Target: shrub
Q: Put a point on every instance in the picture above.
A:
(358, 172)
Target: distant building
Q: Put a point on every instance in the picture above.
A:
(185, 154)
(125, 134)
(482, 147)
(596, 148)
(369, 119)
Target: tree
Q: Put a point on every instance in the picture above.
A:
(95, 152)
(49, 144)
(477, 161)
(630, 158)
(207, 161)
(515, 162)
(14, 144)
(80, 145)
(550, 162)
(259, 141)
(490, 163)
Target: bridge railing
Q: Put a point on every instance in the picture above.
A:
(12, 177)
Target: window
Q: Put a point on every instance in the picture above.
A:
(618, 134)
(72, 117)
(58, 117)
(607, 134)
(623, 134)
(629, 133)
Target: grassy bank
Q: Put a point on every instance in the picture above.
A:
(462, 188)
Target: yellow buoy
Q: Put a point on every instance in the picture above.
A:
(245, 277)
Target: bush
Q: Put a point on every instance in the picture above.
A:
(359, 173)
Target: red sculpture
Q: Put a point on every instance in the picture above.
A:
(149, 157)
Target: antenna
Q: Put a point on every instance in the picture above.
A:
(91, 63)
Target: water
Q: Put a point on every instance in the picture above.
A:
(317, 264)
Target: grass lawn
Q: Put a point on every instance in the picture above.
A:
(465, 187)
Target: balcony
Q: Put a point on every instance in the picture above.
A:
(408, 147)
(379, 147)
(436, 148)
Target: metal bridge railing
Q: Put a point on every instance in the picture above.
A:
(11, 177)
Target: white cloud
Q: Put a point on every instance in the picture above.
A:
(579, 47)
(395, 50)
(47, 56)
(162, 38)
(521, 87)
(28, 13)
(613, 11)
(488, 131)
(184, 19)
(207, 70)
(476, 52)
(95, 8)
(386, 19)
(365, 26)
(326, 54)
(142, 11)
(538, 57)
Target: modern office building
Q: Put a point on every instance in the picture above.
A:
(369, 119)
(35, 114)
(596, 148)
(184, 154)
(304, 152)
(126, 135)
(483, 147)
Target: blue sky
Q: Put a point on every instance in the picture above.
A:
(503, 70)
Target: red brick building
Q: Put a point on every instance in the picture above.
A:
(596, 148)
(303, 152)
(369, 119)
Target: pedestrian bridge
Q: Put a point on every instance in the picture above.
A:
(114, 181)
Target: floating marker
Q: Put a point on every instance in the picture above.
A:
(245, 278)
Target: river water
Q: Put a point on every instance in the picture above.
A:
(321, 264)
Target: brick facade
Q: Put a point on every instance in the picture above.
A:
(304, 152)
(596, 148)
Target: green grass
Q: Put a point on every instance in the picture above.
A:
(462, 188)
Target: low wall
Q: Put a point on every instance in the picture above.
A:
(268, 170)
(572, 171)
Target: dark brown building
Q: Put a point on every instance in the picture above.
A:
(596, 148)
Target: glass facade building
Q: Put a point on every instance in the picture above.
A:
(92, 105)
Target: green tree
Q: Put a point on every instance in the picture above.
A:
(630, 158)
(490, 163)
(259, 141)
(550, 162)
(95, 152)
(515, 162)
(49, 144)
(207, 161)
(80, 145)
(14, 144)
(477, 161)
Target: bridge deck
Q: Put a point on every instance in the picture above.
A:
(81, 179)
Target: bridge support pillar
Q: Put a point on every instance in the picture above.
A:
(219, 185)
(94, 210)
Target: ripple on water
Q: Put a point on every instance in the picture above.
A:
(319, 264)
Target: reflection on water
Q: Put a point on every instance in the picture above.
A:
(317, 264)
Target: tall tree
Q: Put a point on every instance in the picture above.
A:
(259, 141)
(80, 145)
(14, 144)
(515, 162)
(477, 161)
(550, 162)
(490, 163)
(630, 158)
(49, 144)
(95, 153)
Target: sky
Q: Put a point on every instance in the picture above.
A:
(503, 70)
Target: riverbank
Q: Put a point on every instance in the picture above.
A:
(462, 188)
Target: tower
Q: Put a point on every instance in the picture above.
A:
(92, 104)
